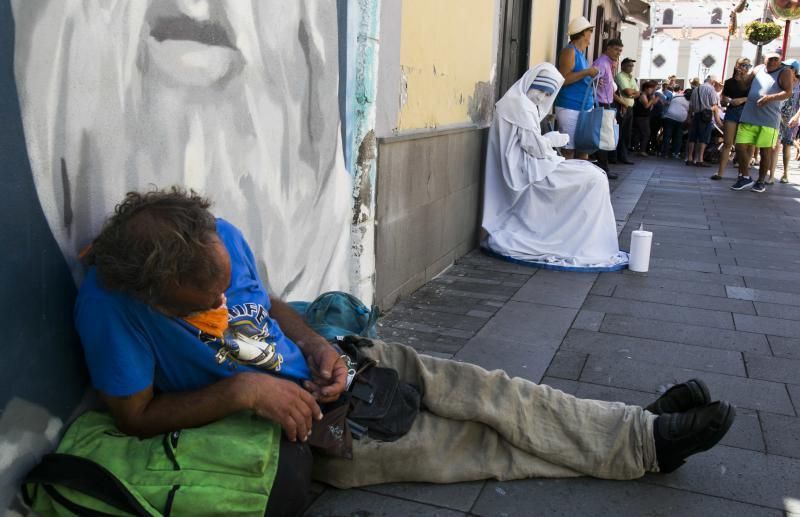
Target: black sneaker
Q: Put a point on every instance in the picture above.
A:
(742, 183)
(759, 187)
(679, 435)
(681, 397)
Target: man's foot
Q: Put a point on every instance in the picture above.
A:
(742, 183)
(681, 397)
(614, 162)
(679, 435)
(784, 180)
(626, 162)
(716, 177)
(689, 163)
(701, 164)
(770, 181)
(759, 187)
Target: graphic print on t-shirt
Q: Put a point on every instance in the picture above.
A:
(247, 339)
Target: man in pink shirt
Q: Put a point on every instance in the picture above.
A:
(604, 93)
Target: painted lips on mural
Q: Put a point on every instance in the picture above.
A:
(191, 43)
(213, 95)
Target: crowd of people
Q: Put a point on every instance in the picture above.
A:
(707, 123)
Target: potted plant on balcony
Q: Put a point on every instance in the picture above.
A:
(761, 33)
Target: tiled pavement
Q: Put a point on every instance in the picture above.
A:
(721, 301)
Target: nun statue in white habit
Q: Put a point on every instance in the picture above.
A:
(540, 209)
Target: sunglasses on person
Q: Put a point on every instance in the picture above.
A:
(746, 66)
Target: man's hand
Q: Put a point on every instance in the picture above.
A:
(328, 371)
(764, 99)
(592, 71)
(281, 401)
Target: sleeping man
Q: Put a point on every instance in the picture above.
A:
(164, 272)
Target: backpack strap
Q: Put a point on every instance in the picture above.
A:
(84, 476)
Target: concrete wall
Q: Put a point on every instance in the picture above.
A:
(428, 207)
(435, 97)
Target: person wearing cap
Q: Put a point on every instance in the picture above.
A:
(628, 92)
(572, 98)
(770, 84)
(790, 115)
(604, 94)
(734, 97)
(703, 106)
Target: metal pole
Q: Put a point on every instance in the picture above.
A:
(725, 60)
(785, 39)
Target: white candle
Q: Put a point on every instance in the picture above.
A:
(641, 240)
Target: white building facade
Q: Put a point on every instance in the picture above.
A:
(688, 39)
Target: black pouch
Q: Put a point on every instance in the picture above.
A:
(379, 401)
(706, 116)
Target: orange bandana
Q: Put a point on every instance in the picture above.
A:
(213, 322)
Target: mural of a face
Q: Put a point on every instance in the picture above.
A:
(237, 99)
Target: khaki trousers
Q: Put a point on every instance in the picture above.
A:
(478, 424)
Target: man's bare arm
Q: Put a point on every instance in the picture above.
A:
(145, 414)
(328, 370)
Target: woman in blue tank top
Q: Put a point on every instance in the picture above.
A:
(578, 75)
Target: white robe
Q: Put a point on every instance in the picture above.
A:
(539, 208)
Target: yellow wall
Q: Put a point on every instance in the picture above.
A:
(446, 48)
(544, 26)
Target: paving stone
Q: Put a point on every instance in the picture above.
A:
(480, 314)
(566, 365)
(737, 475)
(687, 265)
(485, 262)
(455, 496)
(689, 276)
(528, 360)
(774, 284)
(435, 319)
(761, 273)
(774, 310)
(777, 369)
(471, 286)
(529, 323)
(585, 496)
(655, 282)
(762, 325)
(782, 434)
(587, 390)
(699, 301)
(558, 288)
(785, 346)
(745, 433)
(363, 503)
(778, 264)
(588, 320)
(794, 394)
(659, 311)
(648, 377)
(565, 385)
(660, 352)
(763, 295)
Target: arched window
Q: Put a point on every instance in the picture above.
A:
(667, 20)
(716, 16)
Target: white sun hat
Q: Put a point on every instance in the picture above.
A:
(579, 24)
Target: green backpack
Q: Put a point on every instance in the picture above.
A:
(224, 468)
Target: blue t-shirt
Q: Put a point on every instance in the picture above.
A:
(130, 345)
